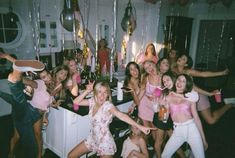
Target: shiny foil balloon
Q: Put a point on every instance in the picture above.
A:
(129, 21)
(67, 16)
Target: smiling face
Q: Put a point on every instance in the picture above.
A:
(102, 93)
(134, 72)
(150, 49)
(61, 75)
(45, 76)
(72, 66)
(182, 61)
(164, 66)
(172, 54)
(180, 84)
(167, 82)
(149, 67)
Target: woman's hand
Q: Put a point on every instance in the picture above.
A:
(225, 72)
(127, 89)
(146, 130)
(205, 144)
(131, 109)
(214, 92)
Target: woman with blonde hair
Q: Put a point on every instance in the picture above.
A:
(101, 113)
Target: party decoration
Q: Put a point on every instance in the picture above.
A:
(129, 20)
(78, 20)
(67, 16)
(85, 51)
(227, 3)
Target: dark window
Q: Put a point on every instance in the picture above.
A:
(10, 30)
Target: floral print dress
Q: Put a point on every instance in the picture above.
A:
(100, 138)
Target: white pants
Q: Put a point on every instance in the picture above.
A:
(185, 132)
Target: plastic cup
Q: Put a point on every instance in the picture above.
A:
(218, 97)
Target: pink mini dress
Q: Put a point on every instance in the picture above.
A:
(145, 109)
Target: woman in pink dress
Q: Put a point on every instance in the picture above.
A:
(151, 80)
(101, 113)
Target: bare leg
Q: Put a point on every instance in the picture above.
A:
(212, 117)
(13, 142)
(78, 151)
(159, 134)
(38, 135)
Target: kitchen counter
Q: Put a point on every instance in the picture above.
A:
(83, 110)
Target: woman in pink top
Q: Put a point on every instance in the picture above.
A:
(149, 54)
(164, 126)
(151, 80)
(135, 146)
(74, 78)
(187, 124)
(183, 65)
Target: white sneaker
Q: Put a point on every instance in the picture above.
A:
(28, 65)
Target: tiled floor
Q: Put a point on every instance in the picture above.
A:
(221, 137)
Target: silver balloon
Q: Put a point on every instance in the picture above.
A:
(128, 22)
(67, 16)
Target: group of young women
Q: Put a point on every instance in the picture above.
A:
(180, 96)
(173, 76)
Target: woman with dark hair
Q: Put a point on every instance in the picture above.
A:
(187, 124)
(184, 64)
(164, 126)
(132, 82)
